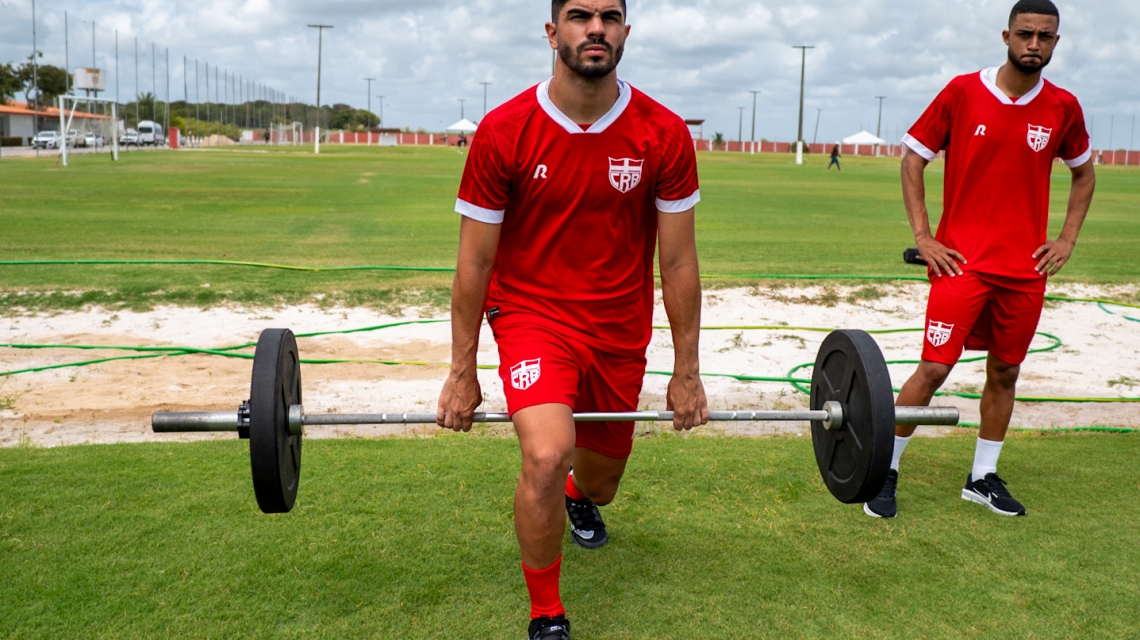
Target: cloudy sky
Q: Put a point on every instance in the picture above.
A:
(698, 57)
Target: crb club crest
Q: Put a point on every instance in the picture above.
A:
(525, 373)
(1038, 137)
(938, 333)
(625, 173)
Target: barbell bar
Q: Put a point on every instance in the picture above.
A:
(851, 411)
(831, 415)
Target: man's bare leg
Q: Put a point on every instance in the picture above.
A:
(546, 436)
(597, 476)
(998, 398)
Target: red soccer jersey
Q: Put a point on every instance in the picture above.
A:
(578, 210)
(999, 159)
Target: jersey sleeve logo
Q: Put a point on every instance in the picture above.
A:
(1038, 137)
(625, 173)
(938, 333)
(526, 373)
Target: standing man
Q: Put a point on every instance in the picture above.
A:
(568, 189)
(1001, 129)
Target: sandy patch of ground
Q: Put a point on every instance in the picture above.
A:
(112, 401)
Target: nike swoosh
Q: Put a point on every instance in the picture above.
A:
(586, 535)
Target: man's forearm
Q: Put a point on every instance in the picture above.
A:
(1080, 199)
(914, 195)
(468, 296)
(681, 290)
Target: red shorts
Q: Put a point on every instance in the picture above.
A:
(539, 366)
(966, 312)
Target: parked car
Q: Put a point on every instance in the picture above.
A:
(87, 140)
(130, 137)
(47, 140)
(150, 133)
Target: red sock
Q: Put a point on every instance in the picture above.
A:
(572, 489)
(543, 587)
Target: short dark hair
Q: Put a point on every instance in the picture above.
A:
(556, 8)
(1038, 7)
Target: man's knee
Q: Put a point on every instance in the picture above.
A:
(600, 490)
(546, 465)
(932, 375)
(1002, 373)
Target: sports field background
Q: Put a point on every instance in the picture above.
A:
(412, 538)
(760, 214)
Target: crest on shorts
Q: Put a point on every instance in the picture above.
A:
(1038, 137)
(525, 373)
(938, 333)
(625, 173)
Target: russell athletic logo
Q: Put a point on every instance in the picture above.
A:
(1038, 137)
(525, 374)
(625, 173)
(938, 333)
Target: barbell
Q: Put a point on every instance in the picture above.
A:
(852, 416)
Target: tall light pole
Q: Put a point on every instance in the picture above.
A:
(740, 128)
(800, 135)
(752, 140)
(879, 126)
(818, 112)
(320, 45)
(461, 115)
(381, 110)
(369, 127)
(485, 97)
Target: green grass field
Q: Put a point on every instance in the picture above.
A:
(760, 215)
(402, 538)
(711, 538)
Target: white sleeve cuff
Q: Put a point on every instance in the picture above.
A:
(1079, 160)
(468, 210)
(919, 148)
(679, 206)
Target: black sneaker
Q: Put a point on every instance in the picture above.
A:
(586, 526)
(883, 506)
(991, 492)
(547, 628)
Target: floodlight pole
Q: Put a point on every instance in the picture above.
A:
(815, 137)
(485, 97)
(320, 45)
(752, 140)
(35, 78)
(369, 127)
(800, 135)
(879, 126)
(461, 114)
(740, 129)
(381, 110)
(66, 64)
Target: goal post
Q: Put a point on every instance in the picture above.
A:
(94, 126)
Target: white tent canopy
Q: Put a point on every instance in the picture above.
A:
(463, 126)
(863, 138)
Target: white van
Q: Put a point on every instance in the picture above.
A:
(150, 133)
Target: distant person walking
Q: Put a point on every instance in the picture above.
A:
(834, 158)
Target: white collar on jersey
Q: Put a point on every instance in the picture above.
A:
(624, 95)
(989, 78)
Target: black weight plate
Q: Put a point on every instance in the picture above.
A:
(853, 460)
(274, 455)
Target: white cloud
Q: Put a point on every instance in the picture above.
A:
(699, 57)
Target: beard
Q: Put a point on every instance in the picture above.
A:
(1028, 68)
(574, 58)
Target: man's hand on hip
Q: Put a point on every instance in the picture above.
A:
(942, 260)
(460, 397)
(686, 399)
(1052, 256)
